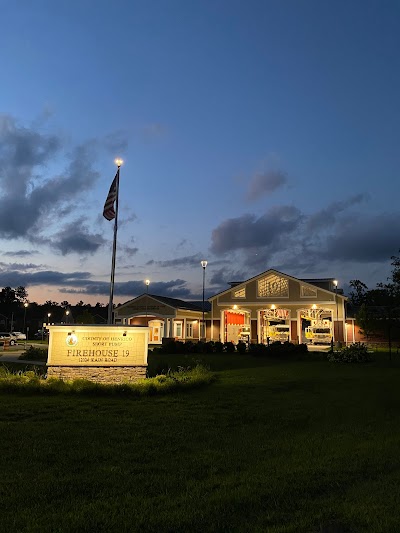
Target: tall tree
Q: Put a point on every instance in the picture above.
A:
(358, 294)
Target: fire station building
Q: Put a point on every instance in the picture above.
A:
(275, 306)
(268, 307)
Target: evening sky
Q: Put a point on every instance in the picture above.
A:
(256, 135)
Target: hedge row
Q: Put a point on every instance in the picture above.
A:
(274, 349)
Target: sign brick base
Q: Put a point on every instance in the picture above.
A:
(99, 374)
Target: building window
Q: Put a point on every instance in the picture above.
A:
(273, 286)
(178, 329)
(189, 329)
(240, 293)
(308, 292)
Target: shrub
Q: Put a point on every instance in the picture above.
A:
(241, 347)
(229, 347)
(31, 382)
(278, 349)
(209, 347)
(34, 354)
(219, 346)
(172, 346)
(355, 353)
(257, 349)
(200, 347)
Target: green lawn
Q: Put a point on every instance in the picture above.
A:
(302, 446)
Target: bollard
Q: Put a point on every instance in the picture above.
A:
(6, 344)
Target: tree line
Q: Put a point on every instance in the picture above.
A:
(17, 313)
(377, 311)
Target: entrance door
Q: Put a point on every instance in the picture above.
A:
(156, 331)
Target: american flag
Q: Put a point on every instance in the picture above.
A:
(109, 211)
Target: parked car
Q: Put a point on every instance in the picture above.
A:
(7, 336)
(19, 335)
(39, 334)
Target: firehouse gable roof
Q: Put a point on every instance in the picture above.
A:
(171, 302)
(237, 285)
(181, 304)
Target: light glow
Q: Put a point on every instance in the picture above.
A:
(118, 162)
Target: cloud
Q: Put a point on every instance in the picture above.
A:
(81, 282)
(23, 148)
(324, 218)
(20, 253)
(76, 238)
(129, 251)
(223, 276)
(174, 288)
(266, 183)
(249, 231)
(27, 195)
(188, 261)
(15, 278)
(19, 266)
(364, 238)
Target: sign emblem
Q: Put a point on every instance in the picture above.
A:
(71, 340)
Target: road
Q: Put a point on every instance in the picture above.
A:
(11, 354)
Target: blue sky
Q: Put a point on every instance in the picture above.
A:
(256, 135)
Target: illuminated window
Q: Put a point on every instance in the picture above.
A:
(189, 329)
(308, 292)
(273, 286)
(178, 329)
(240, 293)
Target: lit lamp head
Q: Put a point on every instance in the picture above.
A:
(26, 305)
(118, 162)
(335, 282)
(204, 264)
(147, 281)
(273, 306)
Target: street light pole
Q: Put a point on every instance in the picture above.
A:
(24, 330)
(203, 264)
(147, 281)
(336, 330)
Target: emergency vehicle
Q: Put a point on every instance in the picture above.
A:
(319, 332)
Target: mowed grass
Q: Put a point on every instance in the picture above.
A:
(304, 446)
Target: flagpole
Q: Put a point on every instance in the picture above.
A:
(114, 251)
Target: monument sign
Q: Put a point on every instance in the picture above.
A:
(111, 354)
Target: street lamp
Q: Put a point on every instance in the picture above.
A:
(66, 316)
(204, 264)
(25, 306)
(147, 281)
(336, 330)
